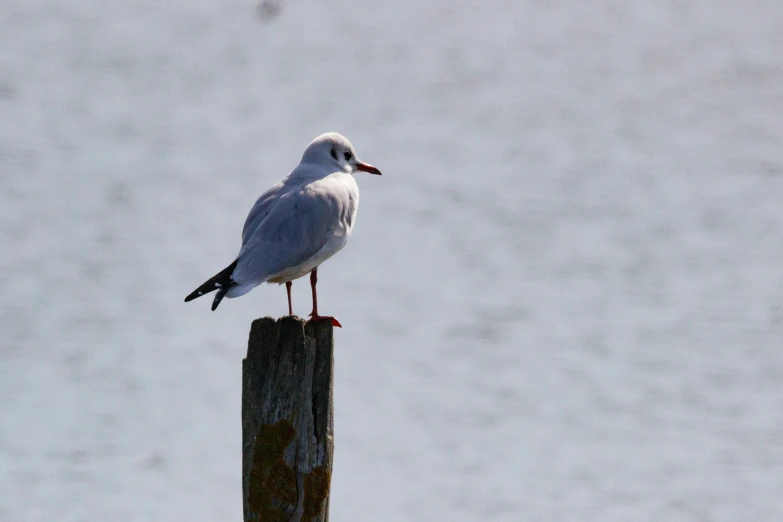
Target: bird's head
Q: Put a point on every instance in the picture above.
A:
(336, 151)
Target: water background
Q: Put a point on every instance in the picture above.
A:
(562, 301)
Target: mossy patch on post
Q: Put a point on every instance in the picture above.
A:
(316, 485)
(271, 479)
(272, 489)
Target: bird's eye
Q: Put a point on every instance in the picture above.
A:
(334, 154)
(347, 156)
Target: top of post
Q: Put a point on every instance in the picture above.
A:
(267, 331)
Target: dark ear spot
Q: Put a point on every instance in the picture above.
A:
(334, 154)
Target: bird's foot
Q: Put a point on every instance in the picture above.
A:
(329, 318)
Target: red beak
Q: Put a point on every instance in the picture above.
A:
(367, 168)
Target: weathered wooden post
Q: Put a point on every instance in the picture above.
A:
(287, 420)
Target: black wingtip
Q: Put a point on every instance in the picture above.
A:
(201, 290)
(220, 282)
(219, 297)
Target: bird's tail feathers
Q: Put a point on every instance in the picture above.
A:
(221, 282)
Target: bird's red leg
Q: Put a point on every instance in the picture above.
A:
(288, 291)
(313, 282)
(314, 314)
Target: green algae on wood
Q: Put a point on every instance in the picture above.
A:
(316, 485)
(270, 477)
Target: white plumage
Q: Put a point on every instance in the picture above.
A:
(297, 224)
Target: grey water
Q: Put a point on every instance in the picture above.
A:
(562, 301)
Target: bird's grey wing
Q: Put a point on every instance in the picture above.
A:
(260, 211)
(294, 229)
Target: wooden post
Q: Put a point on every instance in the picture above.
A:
(287, 420)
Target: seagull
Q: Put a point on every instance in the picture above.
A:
(296, 225)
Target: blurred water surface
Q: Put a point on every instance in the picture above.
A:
(562, 301)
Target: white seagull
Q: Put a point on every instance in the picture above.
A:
(297, 224)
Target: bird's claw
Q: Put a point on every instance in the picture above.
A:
(329, 318)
